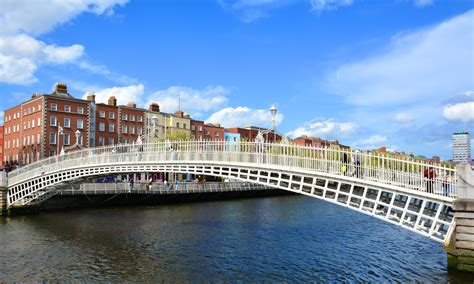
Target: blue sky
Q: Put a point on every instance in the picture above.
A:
(398, 73)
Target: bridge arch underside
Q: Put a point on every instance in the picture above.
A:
(414, 211)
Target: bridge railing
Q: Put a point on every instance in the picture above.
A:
(406, 173)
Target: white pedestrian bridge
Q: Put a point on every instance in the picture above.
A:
(396, 190)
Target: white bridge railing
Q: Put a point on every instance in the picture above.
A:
(435, 179)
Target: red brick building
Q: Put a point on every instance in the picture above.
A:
(251, 132)
(131, 123)
(32, 129)
(213, 132)
(107, 123)
(197, 130)
(1, 147)
(311, 141)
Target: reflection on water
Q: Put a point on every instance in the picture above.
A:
(281, 238)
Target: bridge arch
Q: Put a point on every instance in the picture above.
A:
(417, 211)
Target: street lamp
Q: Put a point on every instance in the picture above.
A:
(260, 138)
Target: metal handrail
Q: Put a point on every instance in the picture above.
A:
(404, 173)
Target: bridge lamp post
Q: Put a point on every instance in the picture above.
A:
(260, 137)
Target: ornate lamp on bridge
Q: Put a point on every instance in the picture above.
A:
(260, 138)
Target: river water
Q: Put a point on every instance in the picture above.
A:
(286, 238)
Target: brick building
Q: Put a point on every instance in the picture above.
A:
(197, 130)
(250, 133)
(311, 141)
(213, 132)
(1, 147)
(32, 128)
(131, 123)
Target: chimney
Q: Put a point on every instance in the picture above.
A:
(91, 97)
(179, 114)
(154, 107)
(112, 101)
(60, 88)
(132, 105)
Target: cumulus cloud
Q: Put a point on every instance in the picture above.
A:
(42, 16)
(20, 56)
(192, 100)
(321, 5)
(243, 116)
(460, 112)
(418, 67)
(372, 142)
(20, 53)
(403, 117)
(327, 129)
(124, 95)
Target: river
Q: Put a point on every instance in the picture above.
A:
(286, 238)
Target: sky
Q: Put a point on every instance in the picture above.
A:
(394, 73)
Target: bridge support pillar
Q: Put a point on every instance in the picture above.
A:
(460, 245)
(3, 193)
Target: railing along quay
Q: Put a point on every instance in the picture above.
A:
(159, 188)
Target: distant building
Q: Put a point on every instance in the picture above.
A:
(197, 130)
(249, 133)
(213, 132)
(311, 141)
(1, 148)
(461, 147)
(231, 137)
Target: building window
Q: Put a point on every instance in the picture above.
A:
(52, 138)
(53, 107)
(124, 117)
(111, 141)
(102, 114)
(67, 139)
(33, 123)
(111, 127)
(80, 124)
(67, 122)
(53, 121)
(39, 122)
(38, 138)
(140, 131)
(80, 110)
(199, 128)
(125, 129)
(206, 132)
(111, 115)
(193, 127)
(101, 141)
(184, 125)
(216, 134)
(140, 118)
(132, 129)
(67, 108)
(132, 117)
(101, 127)
(177, 124)
(29, 124)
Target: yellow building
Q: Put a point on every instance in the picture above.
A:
(162, 126)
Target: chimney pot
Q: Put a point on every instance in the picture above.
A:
(112, 101)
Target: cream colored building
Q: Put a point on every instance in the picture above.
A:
(162, 126)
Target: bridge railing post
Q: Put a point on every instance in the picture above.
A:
(3, 193)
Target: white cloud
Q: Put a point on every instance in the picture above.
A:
(460, 112)
(418, 67)
(42, 16)
(403, 117)
(423, 3)
(321, 5)
(21, 55)
(16, 70)
(104, 71)
(243, 116)
(192, 100)
(123, 95)
(373, 142)
(327, 129)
